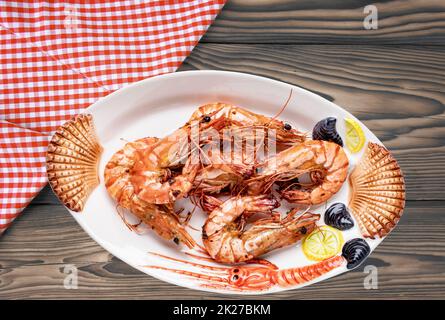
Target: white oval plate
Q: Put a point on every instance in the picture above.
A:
(159, 105)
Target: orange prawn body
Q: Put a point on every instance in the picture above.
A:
(160, 217)
(326, 164)
(252, 136)
(243, 118)
(226, 240)
(150, 173)
(261, 278)
(254, 278)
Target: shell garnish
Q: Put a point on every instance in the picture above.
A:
(71, 162)
(377, 195)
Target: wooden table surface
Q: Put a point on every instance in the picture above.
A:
(392, 78)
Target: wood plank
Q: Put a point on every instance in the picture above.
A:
(328, 22)
(398, 92)
(35, 250)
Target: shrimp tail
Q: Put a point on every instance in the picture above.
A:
(296, 276)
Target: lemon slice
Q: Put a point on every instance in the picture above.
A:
(323, 243)
(355, 137)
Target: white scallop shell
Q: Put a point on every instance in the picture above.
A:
(71, 162)
(377, 194)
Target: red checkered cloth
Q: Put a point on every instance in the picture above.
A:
(57, 58)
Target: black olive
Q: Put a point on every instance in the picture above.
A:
(287, 126)
(325, 130)
(355, 252)
(338, 216)
(206, 119)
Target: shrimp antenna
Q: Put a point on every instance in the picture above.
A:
(282, 108)
(130, 226)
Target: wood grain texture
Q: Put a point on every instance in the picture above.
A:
(398, 92)
(329, 22)
(36, 249)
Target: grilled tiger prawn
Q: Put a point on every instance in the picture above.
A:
(160, 217)
(252, 136)
(226, 240)
(151, 172)
(239, 118)
(325, 162)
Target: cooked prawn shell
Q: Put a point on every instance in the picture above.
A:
(180, 149)
(118, 182)
(325, 163)
(226, 240)
(239, 118)
(251, 137)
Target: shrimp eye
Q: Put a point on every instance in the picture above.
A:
(236, 270)
(303, 230)
(206, 119)
(235, 277)
(176, 240)
(287, 126)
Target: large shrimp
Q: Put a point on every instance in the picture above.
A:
(253, 278)
(226, 240)
(325, 163)
(249, 138)
(240, 118)
(151, 173)
(161, 218)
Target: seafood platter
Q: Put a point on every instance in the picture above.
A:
(227, 182)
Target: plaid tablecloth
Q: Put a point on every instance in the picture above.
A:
(57, 58)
